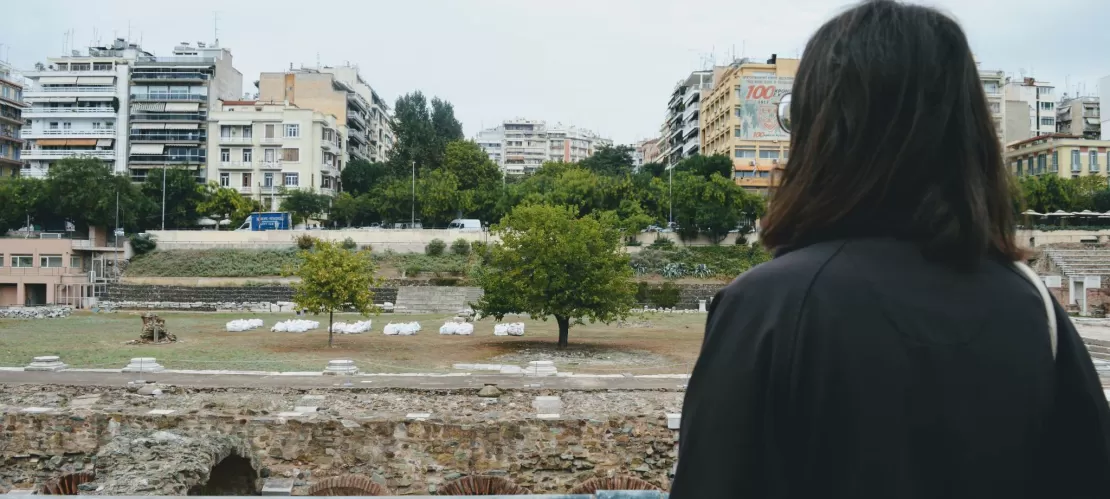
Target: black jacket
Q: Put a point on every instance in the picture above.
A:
(857, 369)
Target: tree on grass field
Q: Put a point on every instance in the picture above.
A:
(225, 202)
(552, 263)
(333, 278)
(304, 204)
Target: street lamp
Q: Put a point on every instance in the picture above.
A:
(412, 221)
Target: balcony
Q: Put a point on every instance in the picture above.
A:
(355, 118)
(169, 117)
(246, 190)
(12, 134)
(166, 137)
(271, 140)
(689, 130)
(237, 165)
(327, 167)
(73, 132)
(10, 117)
(356, 135)
(40, 271)
(269, 165)
(83, 91)
(163, 77)
(271, 189)
(76, 112)
(166, 96)
(236, 140)
(167, 159)
(690, 147)
(66, 153)
(691, 110)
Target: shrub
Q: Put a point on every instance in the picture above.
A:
(444, 281)
(435, 248)
(460, 247)
(665, 296)
(305, 241)
(643, 292)
(348, 244)
(413, 270)
(632, 242)
(219, 262)
(142, 244)
(661, 243)
(366, 247)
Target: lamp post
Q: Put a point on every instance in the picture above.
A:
(412, 221)
(670, 197)
(163, 196)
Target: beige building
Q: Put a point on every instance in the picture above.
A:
(340, 92)
(46, 269)
(11, 121)
(521, 146)
(1058, 154)
(739, 118)
(259, 148)
(1079, 116)
(994, 83)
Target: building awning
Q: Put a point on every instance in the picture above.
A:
(96, 99)
(183, 106)
(96, 80)
(51, 142)
(61, 99)
(104, 142)
(1092, 121)
(149, 106)
(235, 123)
(81, 142)
(148, 126)
(58, 80)
(182, 126)
(147, 148)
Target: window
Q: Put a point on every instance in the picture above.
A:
(1, 259)
(995, 107)
(268, 155)
(225, 155)
(291, 155)
(246, 180)
(225, 131)
(248, 131)
(1048, 121)
(292, 131)
(1075, 160)
(75, 261)
(1047, 106)
(267, 179)
(1019, 167)
(269, 131)
(292, 179)
(991, 87)
(96, 125)
(325, 182)
(225, 179)
(22, 261)
(745, 153)
(247, 155)
(50, 261)
(1093, 161)
(53, 125)
(768, 154)
(1055, 161)
(67, 125)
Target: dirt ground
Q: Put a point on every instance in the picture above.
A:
(652, 344)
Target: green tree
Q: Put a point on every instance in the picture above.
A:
(359, 176)
(609, 160)
(83, 190)
(552, 263)
(393, 200)
(711, 207)
(305, 204)
(225, 202)
(438, 197)
(23, 199)
(333, 278)
(470, 164)
(445, 127)
(654, 169)
(705, 166)
(354, 211)
(1085, 190)
(183, 194)
(414, 135)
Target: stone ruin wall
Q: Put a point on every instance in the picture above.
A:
(407, 456)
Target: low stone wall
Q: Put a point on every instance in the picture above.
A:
(34, 312)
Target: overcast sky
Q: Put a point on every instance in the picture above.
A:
(606, 65)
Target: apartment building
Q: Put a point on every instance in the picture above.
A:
(1104, 96)
(644, 151)
(263, 149)
(521, 146)
(994, 83)
(739, 118)
(1079, 116)
(681, 128)
(341, 92)
(51, 268)
(78, 107)
(170, 98)
(11, 121)
(1058, 154)
(1040, 102)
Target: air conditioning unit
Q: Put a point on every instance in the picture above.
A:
(774, 162)
(751, 163)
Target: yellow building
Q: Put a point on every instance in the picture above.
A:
(739, 118)
(1058, 154)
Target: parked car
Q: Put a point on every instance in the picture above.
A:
(465, 224)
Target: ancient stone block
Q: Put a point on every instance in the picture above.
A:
(143, 365)
(45, 363)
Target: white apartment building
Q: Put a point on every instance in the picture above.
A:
(1104, 96)
(261, 148)
(1080, 116)
(1040, 99)
(681, 128)
(378, 129)
(170, 98)
(521, 146)
(78, 107)
(994, 84)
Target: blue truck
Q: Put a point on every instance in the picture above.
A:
(275, 220)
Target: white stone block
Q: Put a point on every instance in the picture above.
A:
(547, 416)
(674, 421)
(305, 409)
(37, 410)
(540, 368)
(160, 412)
(278, 487)
(507, 369)
(341, 367)
(46, 363)
(143, 365)
(289, 414)
(701, 306)
(548, 405)
(418, 416)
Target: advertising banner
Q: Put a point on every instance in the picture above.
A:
(758, 109)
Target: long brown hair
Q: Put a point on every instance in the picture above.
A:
(891, 136)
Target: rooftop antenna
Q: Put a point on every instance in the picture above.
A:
(318, 60)
(216, 27)
(129, 32)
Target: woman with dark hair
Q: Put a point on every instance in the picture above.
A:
(895, 346)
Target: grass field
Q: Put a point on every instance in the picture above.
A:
(651, 344)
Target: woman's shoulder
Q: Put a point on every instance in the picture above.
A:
(789, 272)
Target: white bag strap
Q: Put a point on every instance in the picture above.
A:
(1050, 309)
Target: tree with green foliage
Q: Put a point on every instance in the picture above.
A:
(550, 262)
(470, 164)
(1048, 193)
(333, 278)
(711, 207)
(653, 169)
(83, 190)
(226, 203)
(445, 127)
(304, 204)
(359, 176)
(183, 194)
(609, 160)
(421, 134)
(24, 199)
(706, 166)
(438, 197)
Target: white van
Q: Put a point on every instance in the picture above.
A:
(465, 224)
